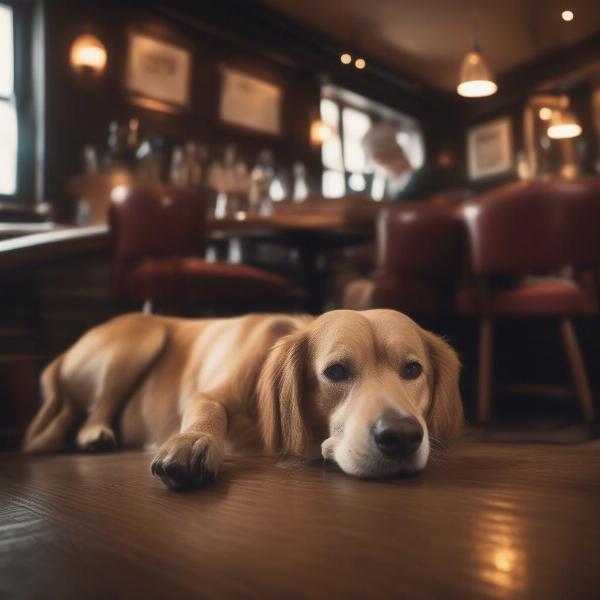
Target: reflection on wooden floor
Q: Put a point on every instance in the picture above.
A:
(484, 521)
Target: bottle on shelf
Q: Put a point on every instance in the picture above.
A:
(300, 187)
(261, 177)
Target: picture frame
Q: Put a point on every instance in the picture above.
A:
(249, 102)
(158, 73)
(490, 149)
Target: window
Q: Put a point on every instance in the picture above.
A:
(8, 113)
(346, 166)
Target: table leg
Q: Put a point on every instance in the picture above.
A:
(313, 277)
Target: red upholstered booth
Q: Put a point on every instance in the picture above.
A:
(420, 249)
(159, 237)
(514, 231)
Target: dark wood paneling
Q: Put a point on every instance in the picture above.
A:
(228, 32)
(79, 110)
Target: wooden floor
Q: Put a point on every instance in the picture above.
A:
(489, 521)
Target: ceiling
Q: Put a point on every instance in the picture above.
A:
(427, 38)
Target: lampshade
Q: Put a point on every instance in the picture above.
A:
(475, 77)
(563, 125)
(88, 53)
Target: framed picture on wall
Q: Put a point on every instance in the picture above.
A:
(158, 73)
(249, 102)
(489, 149)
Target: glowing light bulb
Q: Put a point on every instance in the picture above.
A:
(567, 15)
(346, 58)
(319, 132)
(88, 52)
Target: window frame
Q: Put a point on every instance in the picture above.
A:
(375, 118)
(23, 102)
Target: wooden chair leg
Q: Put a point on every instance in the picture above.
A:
(484, 392)
(575, 358)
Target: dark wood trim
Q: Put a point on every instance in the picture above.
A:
(32, 250)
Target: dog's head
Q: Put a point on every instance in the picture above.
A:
(372, 388)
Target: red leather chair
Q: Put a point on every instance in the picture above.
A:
(159, 242)
(419, 257)
(581, 203)
(516, 230)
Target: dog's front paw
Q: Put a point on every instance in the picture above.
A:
(187, 460)
(96, 438)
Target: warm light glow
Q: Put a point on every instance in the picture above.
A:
(567, 15)
(564, 125)
(151, 104)
(119, 193)
(564, 131)
(505, 559)
(346, 58)
(319, 132)
(477, 89)
(88, 52)
(545, 113)
(360, 63)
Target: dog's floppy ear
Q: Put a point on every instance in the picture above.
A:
(445, 415)
(281, 392)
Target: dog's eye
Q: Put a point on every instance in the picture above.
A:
(336, 372)
(411, 369)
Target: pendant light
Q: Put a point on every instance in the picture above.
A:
(475, 76)
(563, 125)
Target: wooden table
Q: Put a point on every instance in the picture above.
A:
(312, 235)
(311, 232)
(487, 521)
(51, 244)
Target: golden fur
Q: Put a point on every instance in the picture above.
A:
(254, 384)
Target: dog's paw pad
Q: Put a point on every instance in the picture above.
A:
(186, 463)
(97, 439)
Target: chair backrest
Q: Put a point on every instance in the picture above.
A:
(419, 239)
(580, 199)
(515, 229)
(154, 221)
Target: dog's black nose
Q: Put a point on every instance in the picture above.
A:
(397, 436)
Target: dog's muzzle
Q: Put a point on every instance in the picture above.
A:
(397, 437)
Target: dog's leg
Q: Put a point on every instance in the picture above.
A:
(96, 434)
(119, 367)
(195, 455)
(53, 437)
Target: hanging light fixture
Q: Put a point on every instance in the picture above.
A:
(475, 76)
(563, 125)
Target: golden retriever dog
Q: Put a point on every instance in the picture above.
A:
(369, 390)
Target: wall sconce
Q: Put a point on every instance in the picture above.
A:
(319, 132)
(88, 55)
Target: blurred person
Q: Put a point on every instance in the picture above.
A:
(403, 181)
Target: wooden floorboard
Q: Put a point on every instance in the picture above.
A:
(486, 521)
